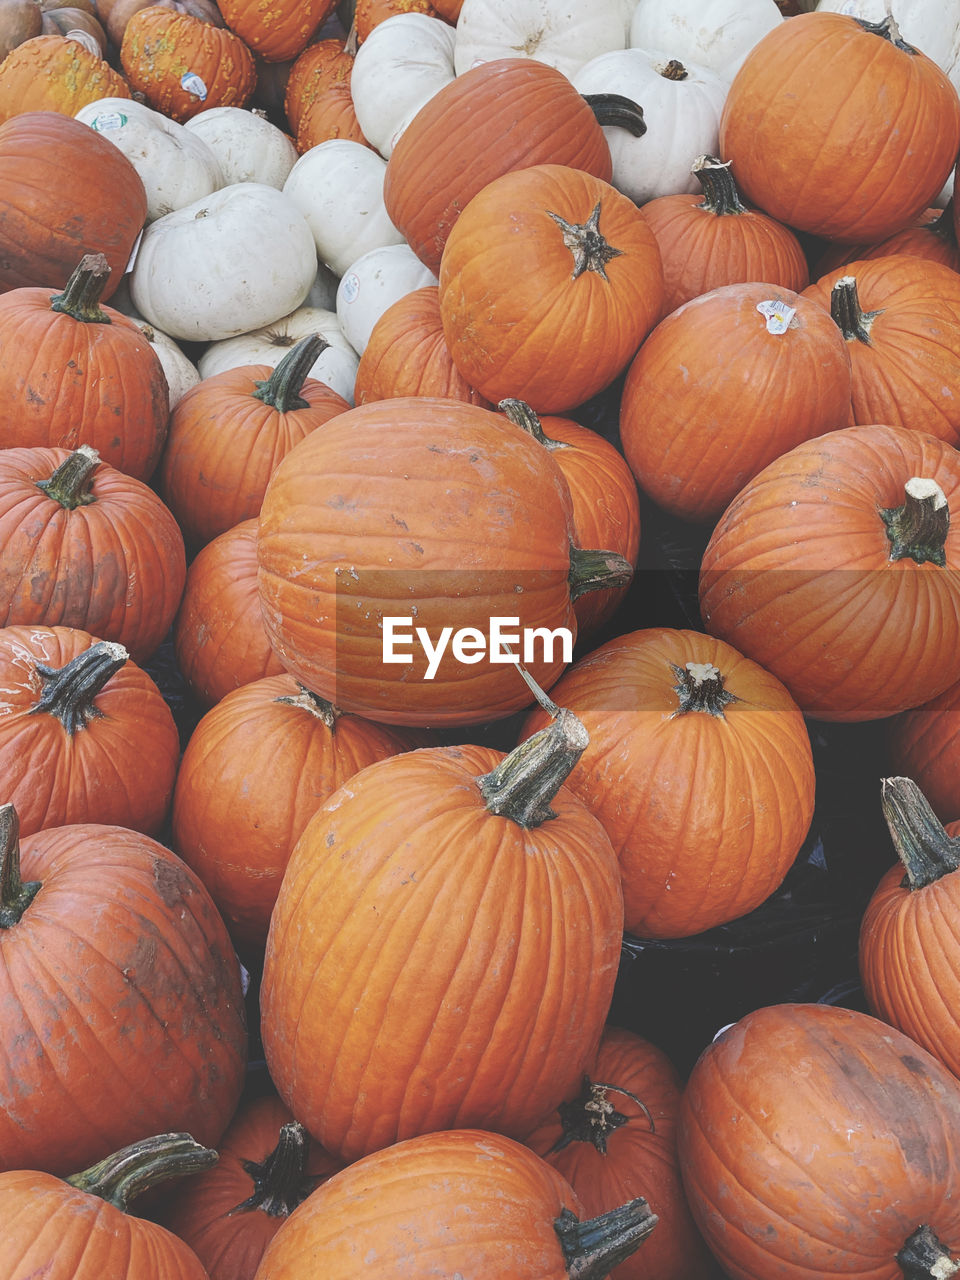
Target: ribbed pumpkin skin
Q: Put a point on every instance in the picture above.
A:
(46, 224)
(50, 73)
(706, 814)
(639, 1161)
(230, 1245)
(481, 1204)
(931, 237)
(218, 635)
(507, 114)
(277, 32)
(419, 502)
(114, 567)
(797, 575)
(702, 250)
(138, 1026)
(66, 382)
(407, 355)
(224, 444)
(925, 746)
(712, 396)
(430, 965)
(907, 371)
(317, 97)
(118, 768)
(516, 318)
(851, 1145)
(909, 960)
(59, 1232)
(793, 124)
(256, 769)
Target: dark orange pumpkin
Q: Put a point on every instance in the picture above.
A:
(115, 14)
(836, 126)
(138, 1024)
(74, 372)
(507, 114)
(925, 745)
(837, 568)
(931, 236)
(277, 32)
(317, 98)
(444, 946)
(816, 1142)
(47, 225)
(700, 770)
(50, 73)
(370, 13)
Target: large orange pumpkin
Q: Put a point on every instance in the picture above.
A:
(549, 282)
(931, 236)
(277, 32)
(836, 126)
(50, 73)
(925, 745)
(817, 1142)
(444, 946)
(837, 568)
(317, 96)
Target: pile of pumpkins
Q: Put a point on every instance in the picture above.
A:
(280, 383)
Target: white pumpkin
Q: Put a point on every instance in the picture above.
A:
(681, 105)
(374, 282)
(248, 146)
(181, 373)
(323, 291)
(402, 63)
(716, 34)
(338, 188)
(336, 366)
(563, 33)
(236, 261)
(175, 167)
(932, 26)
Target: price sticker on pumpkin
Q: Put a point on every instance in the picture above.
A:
(192, 83)
(778, 315)
(108, 120)
(350, 287)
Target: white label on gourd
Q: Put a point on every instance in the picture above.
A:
(109, 120)
(192, 83)
(778, 315)
(350, 286)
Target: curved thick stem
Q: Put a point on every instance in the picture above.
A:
(69, 691)
(887, 28)
(699, 687)
(522, 416)
(279, 1181)
(83, 291)
(597, 571)
(522, 786)
(594, 1247)
(923, 1257)
(854, 323)
(282, 389)
(720, 193)
(918, 529)
(15, 895)
(314, 704)
(589, 249)
(127, 1173)
(918, 836)
(614, 109)
(70, 483)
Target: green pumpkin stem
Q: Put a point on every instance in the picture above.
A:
(918, 836)
(522, 416)
(923, 1257)
(127, 1173)
(853, 322)
(282, 389)
(720, 193)
(594, 1247)
(69, 691)
(616, 110)
(15, 896)
(522, 785)
(592, 1117)
(83, 291)
(699, 687)
(887, 28)
(314, 704)
(70, 483)
(597, 571)
(918, 529)
(279, 1181)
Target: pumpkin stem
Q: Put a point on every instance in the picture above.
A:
(282, 389)
(853, 322)
(918, 836)
(699, 687)
(591, 1116)
(596, 571)
(923, 1257)
(127, 1173)
(594, 1247)
(720, 193)
(522, 416)
(590, 251)
(15, 896)
(919, 528)
(279, 1181)
(69, 691)
(313, 703)
(69, 484)
(82, 292)
(888, 29)
(523, 784)
(673, 70)
(614, 109)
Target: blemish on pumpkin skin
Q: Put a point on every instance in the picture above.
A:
(172, 885)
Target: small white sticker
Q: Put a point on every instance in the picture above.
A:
(192, 83)
(778, 315)
(350, 286)
(133, 253)
(109, 120)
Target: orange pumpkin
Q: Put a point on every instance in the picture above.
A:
(317, 97)
(277, 32)
(925, 745)
(931, 236)
(370, 13)
(51, 73)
